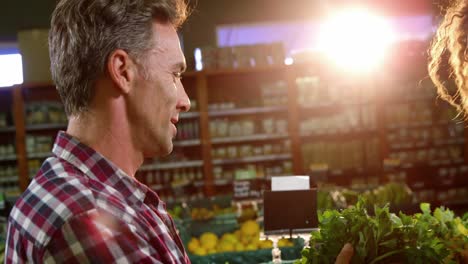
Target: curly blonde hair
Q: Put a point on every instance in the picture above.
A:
(449, 56)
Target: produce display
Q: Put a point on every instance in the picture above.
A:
(243, 239)
(206, 214)
(427, 237)
(243, 245)
(393, 193)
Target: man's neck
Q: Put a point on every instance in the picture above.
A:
(110, 136)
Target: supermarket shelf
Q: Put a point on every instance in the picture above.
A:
(9, 179)
(180, 184)
(450, 141)
(7, 129)
(426, 144)
(351, 134)
(222, 182)
(8, 158)
(334, 105)
(246, 111)
(198, 183)
(410, 145)
(244, 70)
(248, 138)
(45, 127)
(189, 115)
(252, 159)
(187, 143)
(158, 187)
(433, 163)
(172, 165)
(396, 100)
(420, 125)
(39, 155)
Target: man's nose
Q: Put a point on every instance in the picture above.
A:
(184, 100)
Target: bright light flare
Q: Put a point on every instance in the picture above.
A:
(355, 39)
(11, 70)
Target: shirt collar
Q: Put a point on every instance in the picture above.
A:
(97, 167)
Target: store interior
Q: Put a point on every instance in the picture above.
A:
(337, 91)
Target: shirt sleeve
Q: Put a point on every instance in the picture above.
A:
(95, 237)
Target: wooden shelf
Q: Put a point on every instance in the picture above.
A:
(7, 129)
(249, 70)
(8, 158)
(426, 144)
(172, 165)
(419, 125)
(334, 105)
(451, 141)
(222, 182)
(187, 115)
(263, 158)
(187, 143)
(410, 100)
(352, 134)
(39, 155)
(9, 179)
(247, 111)
(37, 127)
(257, 137)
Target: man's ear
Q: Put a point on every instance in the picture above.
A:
(122, 70)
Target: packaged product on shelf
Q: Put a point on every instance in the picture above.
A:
(225, 58)
(207, 58)
(268, 125)
(3, 120)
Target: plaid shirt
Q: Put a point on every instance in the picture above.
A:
(81, 208)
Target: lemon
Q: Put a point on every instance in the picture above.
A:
(237, 233)
(284, 242)
(252, 246)
(211, 251)
(250, 227)
(193, 244)
(200, 251)
(266, 244)
(226, 247)
(229, 237)
(208, 240)
(239, 247)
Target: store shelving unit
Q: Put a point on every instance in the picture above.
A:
(240, 115)
(8, 156)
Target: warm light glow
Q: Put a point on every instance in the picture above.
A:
(11, 70)
(288, 61)
(355, 39)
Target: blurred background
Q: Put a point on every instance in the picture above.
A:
(335, 90)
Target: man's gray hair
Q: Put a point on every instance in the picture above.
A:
(84, 33)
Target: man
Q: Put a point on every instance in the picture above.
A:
(117, 67)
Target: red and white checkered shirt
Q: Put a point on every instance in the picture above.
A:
(81, 208)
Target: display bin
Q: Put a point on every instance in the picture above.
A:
(288, 254)
(225, 224)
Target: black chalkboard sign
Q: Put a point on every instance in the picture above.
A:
(290, 210)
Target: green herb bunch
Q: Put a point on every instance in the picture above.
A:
(426, 237)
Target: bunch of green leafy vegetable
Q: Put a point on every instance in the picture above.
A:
(426, 237)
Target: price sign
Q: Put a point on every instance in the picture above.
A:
(246, 190)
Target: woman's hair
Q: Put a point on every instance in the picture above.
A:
(85, 32)
(449, 56)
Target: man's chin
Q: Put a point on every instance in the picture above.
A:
(162, 151)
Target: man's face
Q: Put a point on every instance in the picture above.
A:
(159, 97)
